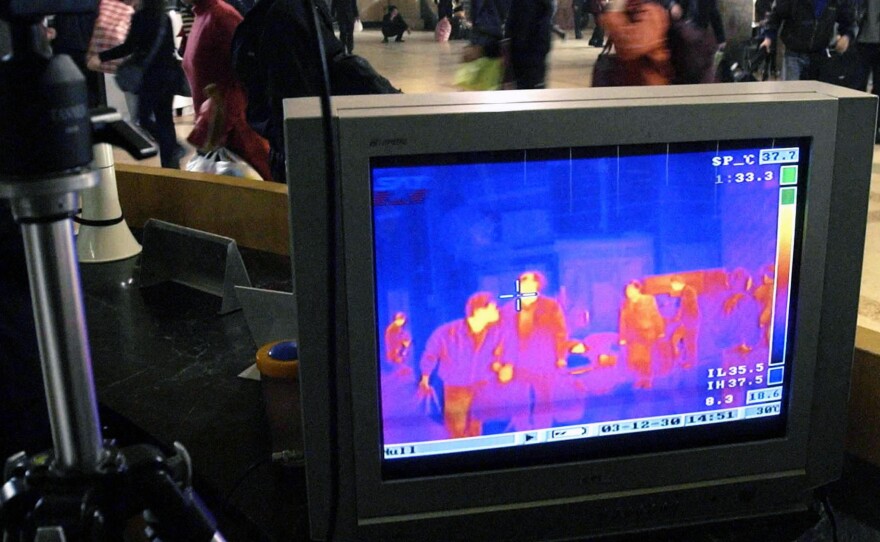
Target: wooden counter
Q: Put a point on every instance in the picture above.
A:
(254, 213)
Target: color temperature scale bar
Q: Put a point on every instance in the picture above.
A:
(784, 260)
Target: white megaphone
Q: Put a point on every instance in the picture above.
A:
(103, 233)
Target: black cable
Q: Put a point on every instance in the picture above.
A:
(332, 362)
(826, 503)
(256, 464)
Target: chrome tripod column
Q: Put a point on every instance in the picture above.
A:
(43, 209)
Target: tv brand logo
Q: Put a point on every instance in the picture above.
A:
(393, 142)
(593, 479)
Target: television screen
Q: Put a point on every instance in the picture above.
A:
(539, 315)
(567, 302)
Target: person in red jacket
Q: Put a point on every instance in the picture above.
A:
(207, 61)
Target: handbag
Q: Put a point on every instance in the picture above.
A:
(222, 161)
(843, 70)
(486, 72)
(181, 83)
(443, 30)
(358, 25)
(607, 71)
(130, 75)
(209, 135)
(111, 28)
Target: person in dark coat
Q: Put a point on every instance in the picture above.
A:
(156, 95)
(529, 23)
(869, 51)
(595, 7)
(444, 9)
(694, 61)
(806, 27)
(345, 12)
(393, 25)
(293, 70)
(581, 16)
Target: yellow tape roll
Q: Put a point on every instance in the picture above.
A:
(274, 368)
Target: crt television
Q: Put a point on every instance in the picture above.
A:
(565, 313)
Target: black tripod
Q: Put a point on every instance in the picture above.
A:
(83, 489)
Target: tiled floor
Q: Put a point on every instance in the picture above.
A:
(422, 65)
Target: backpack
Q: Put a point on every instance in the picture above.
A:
(248, 67)
(692, 51)
(349, 74)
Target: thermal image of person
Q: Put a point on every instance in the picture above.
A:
(687, 323)
(641, 327)
(398, 340)
(764, 296)
(466, 354)
(536, 329)
(740, 313)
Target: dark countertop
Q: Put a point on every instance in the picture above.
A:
(166, 367)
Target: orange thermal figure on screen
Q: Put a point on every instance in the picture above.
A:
(397, 340)
(764, 296)
(538, 338)
(740, 313)
(686, 321)
(463, 352)
(641, 326)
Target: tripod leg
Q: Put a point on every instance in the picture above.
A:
(61, 329)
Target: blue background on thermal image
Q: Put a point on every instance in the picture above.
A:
(446, 232)
(591, 220)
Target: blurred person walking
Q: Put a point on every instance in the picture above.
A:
(151, 44)
(806, 28)
(73, 31)
(208, 61)
(692, 43)
(638, 30)
(345, 12)
(868, 44)
(529, 24)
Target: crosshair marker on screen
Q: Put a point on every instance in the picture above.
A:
(518, 296)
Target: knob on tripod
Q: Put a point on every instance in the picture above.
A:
(82, 490)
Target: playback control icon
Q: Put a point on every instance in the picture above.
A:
(570, 432)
